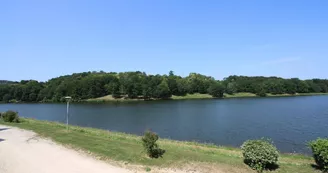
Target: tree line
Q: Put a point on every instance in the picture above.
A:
(138, 84)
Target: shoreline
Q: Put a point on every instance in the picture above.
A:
(198, 96)
(127, 148)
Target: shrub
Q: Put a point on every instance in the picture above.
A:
(149, 143)
(10, 116)
(259, 154)
(320, 152)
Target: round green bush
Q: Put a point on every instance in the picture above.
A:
(10, 116)
(149, 143)
(320, 152)
(260, 154)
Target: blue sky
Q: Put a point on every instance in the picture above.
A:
(45, 39)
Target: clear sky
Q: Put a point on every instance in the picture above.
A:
(48, 38)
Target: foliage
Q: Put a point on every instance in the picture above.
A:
(199, 83)
(260, 90)
(320, 152)
(216, 90)
(259, 154)
(261, 93)
(87, 85)
(149, 143)
(172, 83)
(148, 169)
(10, 116)
(231, 88)
(162, 91)
(182, 87)
(6, 98)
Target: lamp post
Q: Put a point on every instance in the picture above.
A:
(68, 98)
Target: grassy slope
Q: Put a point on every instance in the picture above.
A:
(192, 96)
(128, 149)
(109, 98)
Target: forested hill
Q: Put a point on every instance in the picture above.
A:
(87, 85)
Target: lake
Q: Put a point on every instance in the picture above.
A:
(289, 121)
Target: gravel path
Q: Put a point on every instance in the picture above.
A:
(22, 151)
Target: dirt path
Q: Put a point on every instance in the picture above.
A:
(22, 151)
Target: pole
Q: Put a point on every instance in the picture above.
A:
(67, 115)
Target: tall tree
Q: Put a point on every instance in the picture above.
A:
(172, 82)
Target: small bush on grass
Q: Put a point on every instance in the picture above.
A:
(320, 153)
(10, 116)
(149, 143)
(260, 154)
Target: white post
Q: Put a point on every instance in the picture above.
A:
(67, 114)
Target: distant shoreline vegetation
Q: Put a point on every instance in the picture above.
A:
(131, 86)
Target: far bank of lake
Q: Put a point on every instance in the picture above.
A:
(196, 96)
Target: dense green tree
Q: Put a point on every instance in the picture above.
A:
(182, 87)
(315, 88)
(43, 95)
(199, 83)
(216, 90)
(131, 83)
(4, 89)
(302, 87)
(172, 82)
(147, 92)
(18, 92)
(231, 88)
(162, 91)
(6, 98)
(275, 86)
(290, 86)
(261, 90)
(113, 88)
(323, 87)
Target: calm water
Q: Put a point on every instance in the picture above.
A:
(290, 121)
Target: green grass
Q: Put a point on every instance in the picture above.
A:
(109, 98)
(192, 96)
(239, 95)
(127, 149)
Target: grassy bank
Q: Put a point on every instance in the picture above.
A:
(109, 98)
(127, 149)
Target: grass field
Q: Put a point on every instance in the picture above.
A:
(109, 98)
(239, 95)
(126, 149)
(192, 96)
